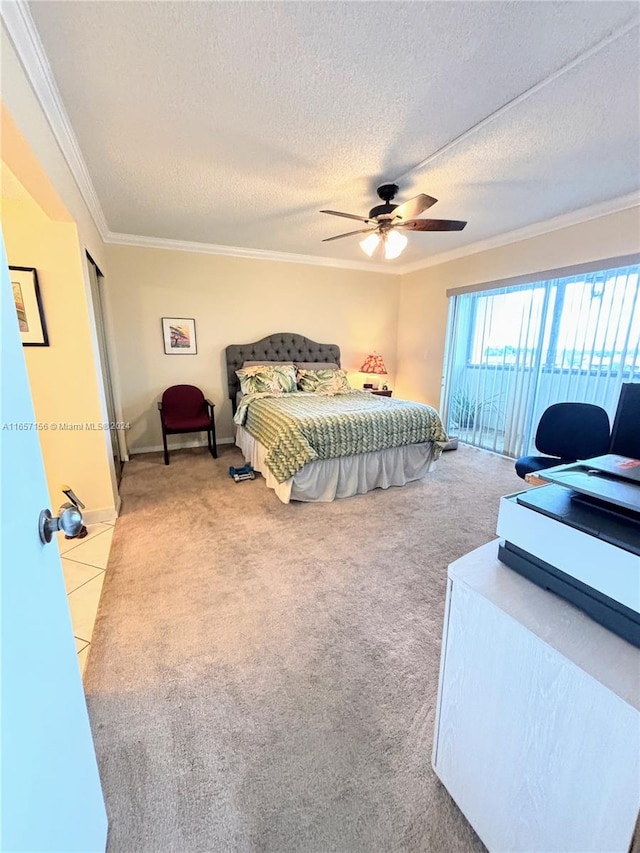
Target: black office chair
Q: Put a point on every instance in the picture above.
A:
(567, 432)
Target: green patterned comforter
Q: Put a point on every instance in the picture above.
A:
(300, 427)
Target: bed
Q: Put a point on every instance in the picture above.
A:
(396, 441)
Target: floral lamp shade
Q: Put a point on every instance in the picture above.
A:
(373, 364)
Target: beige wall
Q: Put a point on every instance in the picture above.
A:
(24, 114)
(423, 302)
(62, 376)
(233, 300)
(30, 150)
(238, 300)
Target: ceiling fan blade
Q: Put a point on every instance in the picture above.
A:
(346, 215)
(349, 234)
(414, 207)
(432, 225)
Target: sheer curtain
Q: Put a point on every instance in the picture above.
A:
(516, 349)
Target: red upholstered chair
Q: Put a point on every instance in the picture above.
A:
(183, 408)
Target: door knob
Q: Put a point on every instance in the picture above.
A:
(69, 520)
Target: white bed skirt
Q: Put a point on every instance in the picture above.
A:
(328, 479)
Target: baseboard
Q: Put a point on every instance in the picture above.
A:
(159, 448)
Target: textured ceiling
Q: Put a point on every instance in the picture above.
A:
(234, 123)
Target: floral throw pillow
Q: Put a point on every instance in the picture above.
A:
(327, 381)
(274, 379)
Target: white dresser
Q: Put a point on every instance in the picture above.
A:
(537, 733)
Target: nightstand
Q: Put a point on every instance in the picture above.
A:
(379, 393)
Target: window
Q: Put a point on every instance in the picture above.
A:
(506, 326)
(515, 350)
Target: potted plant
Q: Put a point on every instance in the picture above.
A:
(466, 408)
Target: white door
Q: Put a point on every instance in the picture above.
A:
(51, 796)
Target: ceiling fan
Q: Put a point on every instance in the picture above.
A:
(387, 218)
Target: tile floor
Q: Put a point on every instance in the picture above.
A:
(84, 562)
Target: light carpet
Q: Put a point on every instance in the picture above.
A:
(263, 677)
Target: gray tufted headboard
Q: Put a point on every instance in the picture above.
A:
(283, 346)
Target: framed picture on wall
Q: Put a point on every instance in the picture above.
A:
(26, 296)
(179, 335)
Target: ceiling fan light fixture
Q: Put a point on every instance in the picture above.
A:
(370, 244)
(385, 218)
(394, 245)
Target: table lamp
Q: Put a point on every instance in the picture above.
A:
(373, 364)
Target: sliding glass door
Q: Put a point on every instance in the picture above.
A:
(513, 351)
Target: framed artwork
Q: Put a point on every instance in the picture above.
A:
(179, 335)
(26, 296)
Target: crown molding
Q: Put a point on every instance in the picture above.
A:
(26, 40)
(547, 226)
(565, 220)
(241, 252)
